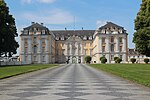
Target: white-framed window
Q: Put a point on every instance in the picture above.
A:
(112, 39)
(26, 57)
(34, 40)
(103, 48)
(34, 49)
(120, 48)
(112, 57)
(103, 39)
(34, 58)
(120, 56)
(43, 49)
(112, 47)
(120, 39)
(43, 58)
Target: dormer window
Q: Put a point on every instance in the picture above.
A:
(84, 38)
(26, 32)
(62, 38)
(57, 38)
(43, 31)
(90, 38)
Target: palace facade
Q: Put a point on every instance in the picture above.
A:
(41, 45)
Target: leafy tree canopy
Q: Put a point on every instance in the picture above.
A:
(8, 31)
(142, 27)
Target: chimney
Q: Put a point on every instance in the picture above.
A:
(82, 28)
(42, 24)
(33, 23)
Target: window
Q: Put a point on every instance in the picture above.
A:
(43, 31)
(34, 58)
(120, 48)
(120, 39)
(112, 47)
(112, 39)
(34, 40)
(103, 48)
(26, 50)
(43, 49)
(35, 50)
(43, 59)
(112, 57)
(120, 56)
(103, 40)
(25, 58)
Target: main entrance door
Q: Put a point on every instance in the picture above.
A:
(74, 59)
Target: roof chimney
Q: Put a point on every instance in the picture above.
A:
(42, 24)
(33, 23)
(82, 28)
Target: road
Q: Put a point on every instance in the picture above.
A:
(71, 82)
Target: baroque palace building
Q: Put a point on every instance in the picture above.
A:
(41, 45)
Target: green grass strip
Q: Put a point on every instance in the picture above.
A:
(10, 71)
(139, 73)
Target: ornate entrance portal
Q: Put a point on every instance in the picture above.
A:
(74, 50)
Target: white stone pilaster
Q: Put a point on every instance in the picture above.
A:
(124, 44)
(100, 44)
(30, 45)
(22, 50)
(39, 51)
(107, 45)
(46, 51)
(117, 44)
(30, 50)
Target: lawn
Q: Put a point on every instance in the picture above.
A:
(10, 71)
(139, 73)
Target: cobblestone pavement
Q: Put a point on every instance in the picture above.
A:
(70, 82)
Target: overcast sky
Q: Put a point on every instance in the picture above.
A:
(89, 14)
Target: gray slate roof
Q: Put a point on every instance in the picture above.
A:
(133, 52)
(68, 33)
(36, 25)
(110, 24)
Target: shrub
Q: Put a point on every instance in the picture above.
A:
(133, 60)
(103, 59)
(88, 59)
(115, 59)
(146, 60)
(118, 60)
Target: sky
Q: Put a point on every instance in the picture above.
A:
(75, 14)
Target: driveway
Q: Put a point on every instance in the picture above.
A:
(70, 82)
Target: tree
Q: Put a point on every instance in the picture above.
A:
(88, 59)
(142, 27)
(146, 60)
(8, 31)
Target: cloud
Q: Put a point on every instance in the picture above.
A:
(46, 1)
(55, 16)
(40, 1)
(26, 1)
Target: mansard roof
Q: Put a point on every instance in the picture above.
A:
(133, 52)
(109, 25)
(68, 33)
(36, 25)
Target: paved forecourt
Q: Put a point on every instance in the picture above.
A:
(70, 82)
